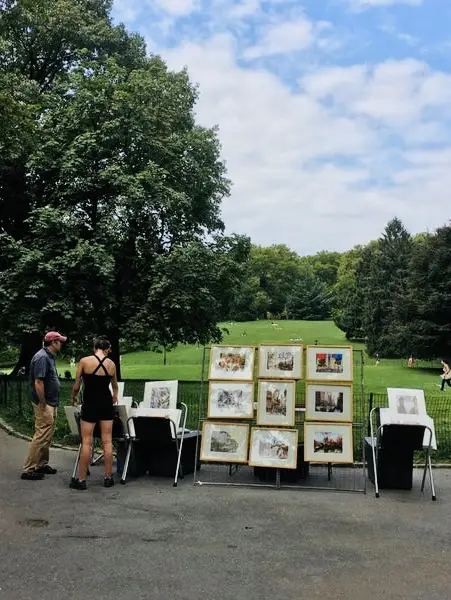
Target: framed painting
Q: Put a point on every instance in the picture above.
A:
(276, 448)
(280, 362)
(230, 400)
(329, 363)
(276, 402)
(406, 401)
(232, 362)
(329, 402)
(160, 394)
(224, 442)
(328, 442)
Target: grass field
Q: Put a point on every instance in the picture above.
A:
(185, 362)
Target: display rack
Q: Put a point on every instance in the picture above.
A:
(328, 476)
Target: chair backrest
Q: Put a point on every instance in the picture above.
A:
(173, 415)
(160, 394)
(70, 412)
(153, 432)
(120, 393)
(126, 400)
(125, 412)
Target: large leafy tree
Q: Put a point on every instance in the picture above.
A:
(122, 190)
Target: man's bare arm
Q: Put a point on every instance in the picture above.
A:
(40, 393)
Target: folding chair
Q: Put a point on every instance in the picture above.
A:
(155, 439)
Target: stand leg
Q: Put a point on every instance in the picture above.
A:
(373, 449)
(77, 460)
(127, 460)
(434, 497)
(278, 478)
(329, 471)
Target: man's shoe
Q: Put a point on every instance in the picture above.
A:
(76, 484)
(108, 482)
(32, 475)
(47, 470)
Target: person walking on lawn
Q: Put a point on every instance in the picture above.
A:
(45, 391)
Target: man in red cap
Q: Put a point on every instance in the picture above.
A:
(45, 390)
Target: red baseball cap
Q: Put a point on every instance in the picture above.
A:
(54, 336)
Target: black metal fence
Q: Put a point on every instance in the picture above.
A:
(15, 406)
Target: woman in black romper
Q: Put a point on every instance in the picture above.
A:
(97, 372)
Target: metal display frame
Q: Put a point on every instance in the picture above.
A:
(358, 427)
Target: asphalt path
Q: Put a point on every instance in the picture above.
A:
(150, 540)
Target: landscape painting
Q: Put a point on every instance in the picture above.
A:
(230, 399)
(224, 442)
(331, 363)
(231, 362)
(280, 362)
(276, 448)
(276, 402)
(328, 442)
(328, 402)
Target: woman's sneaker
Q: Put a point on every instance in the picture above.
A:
(108, 482)
(76, 484)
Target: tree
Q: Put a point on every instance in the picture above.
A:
(348, 292)
(135, 186)
(309, 299)
(386, 307)
(429, 329)
(277, 268)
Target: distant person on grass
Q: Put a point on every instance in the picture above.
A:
(446, 376)
(45, 391)
(97, 372)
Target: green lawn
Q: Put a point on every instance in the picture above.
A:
(185, 362)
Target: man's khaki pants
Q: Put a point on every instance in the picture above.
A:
(44, 423)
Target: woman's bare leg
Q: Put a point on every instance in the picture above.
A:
(106, 428)
(87, 429)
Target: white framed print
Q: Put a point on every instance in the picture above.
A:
(329, 402)
(224, 442)
(276, 402)
(280, 362)
(232, 363)
(160, 394)
(328, 442)
(329, 363)
(404, 401)
(275, 448)
(230, 400)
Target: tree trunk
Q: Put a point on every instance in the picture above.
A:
(31, 343)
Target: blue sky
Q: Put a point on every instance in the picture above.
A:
(334, 115)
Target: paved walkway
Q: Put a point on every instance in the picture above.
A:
(150, 540)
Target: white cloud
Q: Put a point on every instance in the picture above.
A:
(245, 8)
(286, 37)
(178, 7)
(397, 93)
(317, 174)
